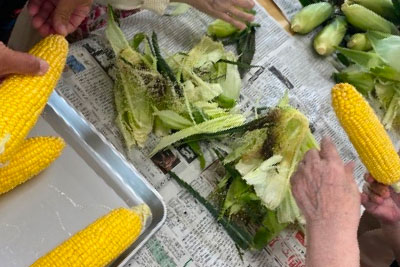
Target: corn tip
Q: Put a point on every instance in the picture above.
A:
(144, 212)
(321, 50)
(296, 27)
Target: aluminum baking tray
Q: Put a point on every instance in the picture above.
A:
(90, 178)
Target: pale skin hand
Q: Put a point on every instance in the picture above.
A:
(383, 203)
(227, 10)
(13, 62)
(58, 16)
(326, 192)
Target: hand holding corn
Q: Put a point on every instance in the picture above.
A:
(22, 99)
(381, 201)
(384, 204)
(13, 62)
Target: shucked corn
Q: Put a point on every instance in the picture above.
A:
(33, 156)
(23, 97)
(101, 242)
(366, 133)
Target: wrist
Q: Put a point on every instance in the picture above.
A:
(333, 234)
(334, 242)
(333, 226)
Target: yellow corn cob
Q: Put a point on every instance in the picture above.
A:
(23, 97)
(33, 156)
(366, 133)
(101, 242)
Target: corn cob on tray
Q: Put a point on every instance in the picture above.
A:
(89, 181)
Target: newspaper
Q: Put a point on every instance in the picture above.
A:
(191, 236)
(289, 8)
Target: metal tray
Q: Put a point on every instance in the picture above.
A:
(88, 180)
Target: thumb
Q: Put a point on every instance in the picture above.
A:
(14, 62)
(62, 15)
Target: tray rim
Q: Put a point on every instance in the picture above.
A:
(56, 111)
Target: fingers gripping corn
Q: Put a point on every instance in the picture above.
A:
(23, 97)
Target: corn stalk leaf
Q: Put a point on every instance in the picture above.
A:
(163, 67)
(246, 48)
(197, 150)
(240, 236)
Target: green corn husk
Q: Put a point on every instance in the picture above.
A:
(367, 20)
(360, 42)
(363, 81)
(311, 17)
(221, 29)
(331, 36)
(384, 8)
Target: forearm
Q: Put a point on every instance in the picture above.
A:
(332, 247)
(392, 234)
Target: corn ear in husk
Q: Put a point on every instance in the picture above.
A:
(367, 20)
(360, 42)
(311, 17)
(383, 8)
(331, 36)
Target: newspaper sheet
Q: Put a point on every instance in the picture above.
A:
(288, 7)
(190, 236)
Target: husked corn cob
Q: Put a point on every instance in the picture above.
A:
(101, 242)
(23, 97)
(33, 156)
(366, 133)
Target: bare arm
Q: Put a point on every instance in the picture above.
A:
(332, 244)
(327, 195)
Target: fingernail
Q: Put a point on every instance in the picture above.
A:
(44, 67)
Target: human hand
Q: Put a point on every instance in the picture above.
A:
(58, 16)
(13, 62)
(381, 201)
(227, 10)
(325, 189)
